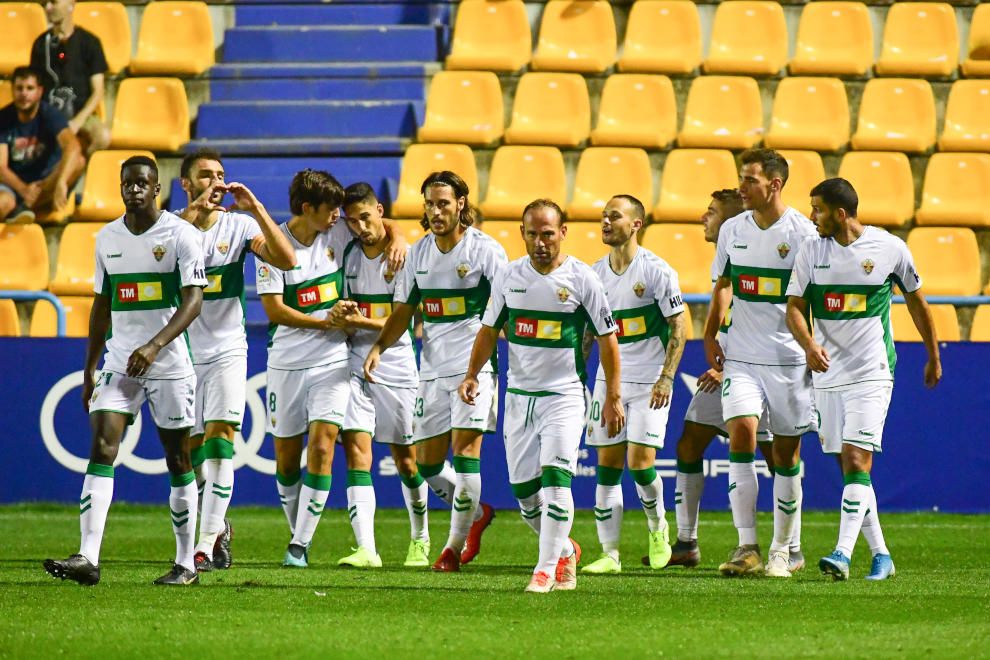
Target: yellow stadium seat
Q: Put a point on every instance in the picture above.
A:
(722, 112)
(6, 93)
(919, 39)
(957, 191)
(151, 113)
(419, 162)
(176, 38)
(606, 171)
(411, 230)
(463, 106)
(507, 233)
(518, 175)
(980, 330)
(550, 108)
(44, 322)
(977, 62)
(948, 260)
(491, 35)
(75, 262)
(636, 110)
(967, 117)
(662, 36)
(101, 191)
(54, 217)
(835, 39)
(943, 317)
(688, 180)
(24, 255)
(896, 114)
(584, 242)
(108, 21)
(576, 35)
(748, 37)
(20, 25)
(685, 249)
(10, 323)
(884, 184)
(805, 171)
(809, 113)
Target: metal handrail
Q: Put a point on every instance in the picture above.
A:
(41, 295)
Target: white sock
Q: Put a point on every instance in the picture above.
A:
(687, 499)
(871, 530)
(649, 487)
(467, 500)
(361, 508)
(312, 499)
(216, 499)
(856, 499)
(441, 480)
(608, 517)
(795, 544)
(288, 495)
(531, 510)
(182, 501)
(198, 457)
(94, 505)
(743, 489)
(415, 497)
(555, 527)
(787, 495)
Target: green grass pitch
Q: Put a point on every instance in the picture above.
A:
(937, 605)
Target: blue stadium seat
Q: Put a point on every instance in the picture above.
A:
(338, 44)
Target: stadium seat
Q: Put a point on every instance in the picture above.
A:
(491, 35)
(722, 112)
(20, 25)
(689, 177)
(977, 62)
(834, 39)
(685, 249)
(809, 113)
(101, 191)
(948, 260)
(584, 242)
(6, 93)
(54, 217)
(176, 38)
(636, 110)
(957, 191)
(44, 322)
(518, 175)
(884, 183)
(576, 35)
(805, 171)
(550, 108)
(605, 171)
(919, 39)
(108, 21)
(151, 113)
(748, 37)
(74, 265)
(10, 323)
(463, 106)
(422, 159)
(944, 317)
(967, 117)
(507, 233)
(24, 255)
(662, 36)
(896, 114)
(980, 330)
(411, 230)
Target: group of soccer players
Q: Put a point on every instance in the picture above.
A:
(341, 298)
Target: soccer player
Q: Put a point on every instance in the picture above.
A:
(450, 272)
(219, 343)
(146, 262)
(763, 363)
(845, 279)
(544, 301)
(645, 297)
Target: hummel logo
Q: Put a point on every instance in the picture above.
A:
(115, 255)
(422, 272)
(866, 433)
(822, 266)
(740, 247)
(233, 412)
(517, 290)
(175, 419)
(351, 277)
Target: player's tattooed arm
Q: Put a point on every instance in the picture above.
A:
(797, 323)
(481, 352)
(142, 358)
(396, 324)
(664, 387)
(99, 326)
(922, 316)
(717, 309)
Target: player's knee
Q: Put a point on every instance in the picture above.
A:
(104, 450)
(7, 204)
(406, 465)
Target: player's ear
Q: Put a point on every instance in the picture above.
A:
(381, 210)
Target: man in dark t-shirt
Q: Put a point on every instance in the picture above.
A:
(40, 158)
(72, 64)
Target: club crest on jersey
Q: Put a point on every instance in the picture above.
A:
(639, 289)
(783, 250)
(389, 275)
(330, 253)
(462, 270)
(223, 247)
(868, 266)
(563, 294)
(158, 251)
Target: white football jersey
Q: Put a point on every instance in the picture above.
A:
(848, 289)
(371, 284)
(642, 299)
(142, 275)
(453, 289)
(312, 287)
(759, 262)
(545, 317)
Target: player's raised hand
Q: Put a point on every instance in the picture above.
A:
(395, 254)
(141, 359)
(933, 373)
(710, 381)
(714, 354)
(210, 200)
(818, 359)
(662, 389)
(613, 415)
(468, 389)
(244, 199)
(371, 363)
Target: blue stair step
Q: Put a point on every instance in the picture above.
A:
(343, 14)
(317, 89)
(370, 69)
(360, 168)
(400, 43)
(313, 146)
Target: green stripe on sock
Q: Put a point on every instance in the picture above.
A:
(526, 489)
(100, 470)
(789, 471)
(317, 481)
(197, 455)
(862, 478)
(429, 470)
(356, 478)
(529, 514)
(608, 476)
(556, 517)
(554, 476)
(691, 468)
(288, 479)
(414, 481)
(218, 448)
(467, 464)
(645, 477)
(180, 480)
(741, 457)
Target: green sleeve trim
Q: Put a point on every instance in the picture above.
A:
(318, 481)
(741, 457)
(788, 471)
(180, 480)
(526, 488)
(100, 470)
(861, 478)
(218, 448)
(608, 476)
(429, 469)
(467, 464)
(288, 479)
(691, 468)
(555, 477)
(357, 478)
(645, 477)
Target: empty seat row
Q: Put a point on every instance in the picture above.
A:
(175, 38)
(747, 37)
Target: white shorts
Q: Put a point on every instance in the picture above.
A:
(295, 399)
(171, 401)
(785, 391)
(382, 411)
(706, 409)
(855, 416)
(439, 408)
(220, 392)
(542, 431)
(644, 425)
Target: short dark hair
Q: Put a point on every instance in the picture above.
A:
(359, 193)
(22, 72)
(314, 187)
(772, 162)
(135, 161)
(460, 188)
(204, 153)
(544, 203)
(639, 211)
(837, 194)
(730, 199)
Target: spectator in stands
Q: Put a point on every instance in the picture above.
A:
(72, 64)
(40, 157)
